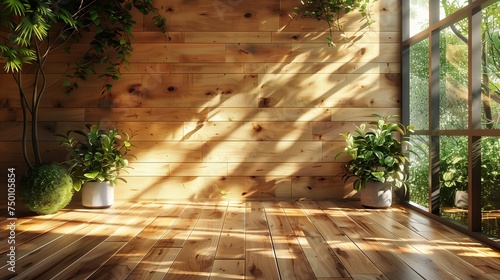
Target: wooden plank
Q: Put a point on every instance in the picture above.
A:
(323, 260)
(228, 269)
(320, 219)
(200, 169)
(358, 52)
(195, 259)
(52, 258)
(317, 90)
(386, 15)
(300, 223)
(212, 67)
(39, 227)
(228, 37)
(142, 131)
(57, 114)
(198, 188)
(323, 68)
(190, 91)
(262, 151)
(407, 244)
(301, 90)
(124, 261)
(177, 234)
(148, 169)
(387, 260)
(351, 257)
(332, 130)
(158, 260)
(284, 169)
(449, 240)
(321, 187)
(118, 236)
(260, 258)
(292, 261)
(359, 115)
(144, 114)
(13, 132)
(269, 114)
(8, 114)
(249, 131)
(155, 264)
(232, 241)
(90, 261)
(277, 219)
(167, 151)
(244, 52)
(337, 37)
(223, 15)
(337, 240)
(178, 53)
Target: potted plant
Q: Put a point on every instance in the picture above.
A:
(98, 158)
(378, 159)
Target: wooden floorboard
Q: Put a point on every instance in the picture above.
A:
(242, 240)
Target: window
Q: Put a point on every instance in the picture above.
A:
(451, 95)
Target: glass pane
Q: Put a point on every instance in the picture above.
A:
(490, 52)
(419, 170)
(419, 16)
(453, 77)
(490, 186)
(454, 177)
(448, 7)
(419, 85)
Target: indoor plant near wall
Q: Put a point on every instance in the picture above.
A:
(378, 159)
(30, 32)
(98, 157)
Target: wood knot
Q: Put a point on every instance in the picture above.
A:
(362, 51)
(247, 15)
(255, 271)
(257, 127)
(135, 89)
(171, 88)
(264, 102)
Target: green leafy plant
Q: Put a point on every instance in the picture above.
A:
(454, 170)
(46, 189)
(98, 155)
(33, 30)
(331, 11)
(377, 152)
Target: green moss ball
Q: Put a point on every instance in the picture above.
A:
(46, 188)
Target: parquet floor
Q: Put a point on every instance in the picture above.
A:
(242, 240)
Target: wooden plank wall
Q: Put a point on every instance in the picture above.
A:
(240, 103)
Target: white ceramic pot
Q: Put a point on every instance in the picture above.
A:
(98, 194)
(376, 195)
(461, 199)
